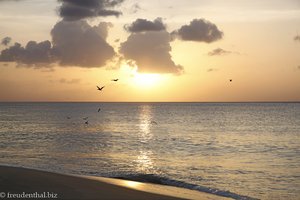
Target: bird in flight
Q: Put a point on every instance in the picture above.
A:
(87, 122)
(100, 88)
(230, 80)
(115, 79)
(99, 109)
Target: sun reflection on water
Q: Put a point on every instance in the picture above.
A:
(145, 123)
(144, 161)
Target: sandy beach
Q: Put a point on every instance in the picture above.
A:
(40, 184)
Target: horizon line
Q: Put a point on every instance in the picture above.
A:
(297, 101)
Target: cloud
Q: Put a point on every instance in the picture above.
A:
(199, 30)
(218, 52)
(212, 70)
(151, 52)
(72, 81)
(79, 44)
(142, 25)
(135, 8)
(5, 41)
(74, 43)
(80, 9)
(297, 38)
(9, 0)
(32, 53)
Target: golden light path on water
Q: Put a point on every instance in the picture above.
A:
(144, 160)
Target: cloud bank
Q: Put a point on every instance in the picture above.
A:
(74, 43)
(32, 53)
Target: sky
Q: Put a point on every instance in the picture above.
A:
(161, 51)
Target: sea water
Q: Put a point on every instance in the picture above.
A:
(238, 150)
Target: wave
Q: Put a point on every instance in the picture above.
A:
(148, 178)
(152, 178)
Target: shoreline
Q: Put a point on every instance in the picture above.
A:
(16, 181)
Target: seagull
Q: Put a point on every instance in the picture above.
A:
(115, 80)
(99, 109)
(100, 88)
(85, 118)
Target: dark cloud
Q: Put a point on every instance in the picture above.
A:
(13, 53)
(297, 38)
(80, 9)
(5, 41)
(142, 25)
(32, 53)
(37, 52)
(199, 30)
(79, 44)
(74, 43)
(218, 52)
(151, 52)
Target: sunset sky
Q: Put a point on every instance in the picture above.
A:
(160, 50)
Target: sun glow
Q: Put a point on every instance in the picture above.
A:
(146, 80)
(142, 80)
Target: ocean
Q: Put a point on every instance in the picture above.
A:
(238, 150)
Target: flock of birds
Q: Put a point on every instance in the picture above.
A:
(86, 119)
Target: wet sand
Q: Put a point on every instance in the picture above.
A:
(20, 181)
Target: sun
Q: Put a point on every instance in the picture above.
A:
(142, 80)
(146, 80)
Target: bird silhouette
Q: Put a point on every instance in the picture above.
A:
(87, 122)
(100, 88)
(115, 79)
(99, 109)
(230, 80)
